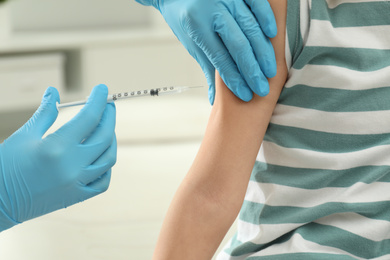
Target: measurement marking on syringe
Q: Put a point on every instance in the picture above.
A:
(139, 93)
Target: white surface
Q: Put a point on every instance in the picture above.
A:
(152, 121)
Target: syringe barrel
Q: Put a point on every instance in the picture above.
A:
(133, 94)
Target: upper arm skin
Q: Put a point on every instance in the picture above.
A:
(236, 128)
(219, 176)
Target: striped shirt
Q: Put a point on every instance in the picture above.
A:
(320, 188)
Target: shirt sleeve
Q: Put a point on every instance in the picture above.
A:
(297, 29)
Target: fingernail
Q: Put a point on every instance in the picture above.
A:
(211, 95)
(47, 94)
(258, 85)
(270, 68)
(103, 87)
(264, 89)
(245, 93)
(272, 30)
(211, 100)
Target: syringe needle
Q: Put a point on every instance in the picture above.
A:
(175, 90)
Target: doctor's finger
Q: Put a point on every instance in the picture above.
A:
(101, 138)
(45, 115)
(261, 45)
(209, 72)
(219, 56)
(85, 122)
(264, 15)
(206, 66)
(106, 127)
(101, 184)
(242, 53)
(101, 165)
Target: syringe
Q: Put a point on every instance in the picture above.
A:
(133, 94)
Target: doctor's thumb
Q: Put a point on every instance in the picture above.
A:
(45, 115)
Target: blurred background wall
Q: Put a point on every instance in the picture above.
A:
(73, 45)
(49, 15)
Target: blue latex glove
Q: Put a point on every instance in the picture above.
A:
(38, 176)
(230, 36)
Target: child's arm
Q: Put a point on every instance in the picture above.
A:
(210, 197)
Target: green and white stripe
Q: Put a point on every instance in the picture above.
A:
(320, 188)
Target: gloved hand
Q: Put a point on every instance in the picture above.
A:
(225, 35)
(38, 176)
